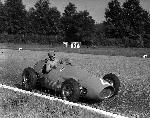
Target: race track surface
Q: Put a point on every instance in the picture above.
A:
(133, 72)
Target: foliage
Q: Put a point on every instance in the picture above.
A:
(85, 26)
(113, 15)
(99, 34)
(2, 18)
(125, 25)
(135, 19)
(128, 22)
(44, 20)
(78, 26)
(32, 38)
(68, 23)
(15, 16)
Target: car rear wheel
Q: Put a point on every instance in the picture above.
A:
(29, 79)
(70, 90)
(113, 80)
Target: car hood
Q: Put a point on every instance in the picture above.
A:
(93, 83)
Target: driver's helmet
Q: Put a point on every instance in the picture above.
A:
(51, 55)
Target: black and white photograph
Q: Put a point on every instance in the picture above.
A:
(74, 58)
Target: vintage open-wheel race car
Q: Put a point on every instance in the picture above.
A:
(70, 81)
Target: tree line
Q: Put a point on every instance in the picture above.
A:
(125, 25)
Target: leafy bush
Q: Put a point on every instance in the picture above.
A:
(31, 38)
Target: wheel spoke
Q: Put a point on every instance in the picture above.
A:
(67, 91)
(110, 81)
(70, 90)
(25, 81)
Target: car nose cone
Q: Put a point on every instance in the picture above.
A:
(106, 93)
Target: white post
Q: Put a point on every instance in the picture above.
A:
(144, 56)
(66, 44)
(20, 48)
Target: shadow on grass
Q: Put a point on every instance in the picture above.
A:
(58, 95)
(121, 103)
(19, 86)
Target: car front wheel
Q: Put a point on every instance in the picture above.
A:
(29, 79)
(70, 90)
(114, 81)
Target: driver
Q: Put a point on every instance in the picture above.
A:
(51, 61)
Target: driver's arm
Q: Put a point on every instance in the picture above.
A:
(48, 66)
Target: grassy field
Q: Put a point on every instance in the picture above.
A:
(111, 51)
(133, 72)
(18, 105)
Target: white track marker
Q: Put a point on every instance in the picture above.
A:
(20, 48)
(66, 44)
(64, 101)
(145, 56)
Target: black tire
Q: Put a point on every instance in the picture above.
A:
(29, 79)
(74, 92)
(116, 82)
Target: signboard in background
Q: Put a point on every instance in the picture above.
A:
(75, 44)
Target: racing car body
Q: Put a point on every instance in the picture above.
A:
(72, 81)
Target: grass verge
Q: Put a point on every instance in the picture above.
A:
(111, 51)
(18, 105)
(133, 98)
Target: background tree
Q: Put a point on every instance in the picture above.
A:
(2, 18)
(15, 15)
(78, 26)
(44, 19)
(68, 23)
(100, 37)
(147, 31)
(127, 22)
(134, 21)
(113, 15)
(31, 21)
(85, 26)
(54, 22)
(39, 16)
